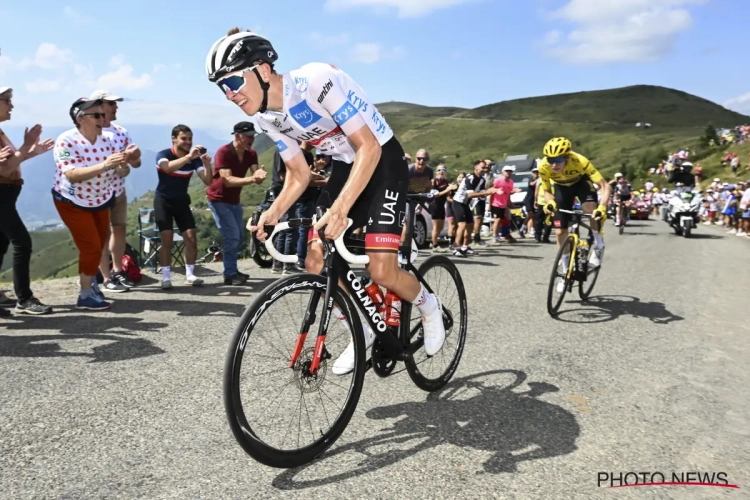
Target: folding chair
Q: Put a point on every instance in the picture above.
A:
(149, 241)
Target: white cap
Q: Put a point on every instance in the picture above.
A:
(509, 168)
(4, 89)
(104, 95)
(717, 179)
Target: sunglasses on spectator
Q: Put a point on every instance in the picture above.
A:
(234, 81)
(97, 116)
(556, 161)
(422, 158)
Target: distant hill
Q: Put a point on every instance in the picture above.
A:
(659, 106)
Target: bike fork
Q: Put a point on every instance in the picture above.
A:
(307, 322)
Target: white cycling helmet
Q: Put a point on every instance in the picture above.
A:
(618, 175)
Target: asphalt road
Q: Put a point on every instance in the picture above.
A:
(650, 376)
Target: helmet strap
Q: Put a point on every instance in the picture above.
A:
(265, 86)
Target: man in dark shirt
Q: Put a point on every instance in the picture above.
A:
(175, 167)
(295, 239)
(421, 173)
(231, 164)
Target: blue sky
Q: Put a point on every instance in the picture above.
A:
(435, 52)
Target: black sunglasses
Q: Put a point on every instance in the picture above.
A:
(96, 116)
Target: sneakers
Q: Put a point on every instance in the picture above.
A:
(434, 329)
(6, 301)
(345, 363)
(236, 280)
(290, 269)
(114, 285)
(595, 258)
(92, 303)
(32, 306)
(166, 284)
(193, 280)
(123, 279)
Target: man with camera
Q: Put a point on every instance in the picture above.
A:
(175, 167)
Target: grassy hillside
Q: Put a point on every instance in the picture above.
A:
(600, 124)
(659, 106)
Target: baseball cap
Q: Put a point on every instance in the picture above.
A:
(509, 168)
(4, 90)
(82, 104)
(104, 95)
(245, 128)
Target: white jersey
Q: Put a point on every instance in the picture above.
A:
(322, 105)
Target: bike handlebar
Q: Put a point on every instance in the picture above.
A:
(292, 259)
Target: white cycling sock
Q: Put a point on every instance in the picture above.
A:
(425, 301)
(189, 269)
(565, 260)
(598, 240)
(337, 314)
(165, 274)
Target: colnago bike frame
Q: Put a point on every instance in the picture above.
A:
(397, 347)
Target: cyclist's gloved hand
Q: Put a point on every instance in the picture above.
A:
(600, 213)
(550, 207)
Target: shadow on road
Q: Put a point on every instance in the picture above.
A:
(704, 236)
(470, 412)
(181, 306)
(112, 338)
(603, 308)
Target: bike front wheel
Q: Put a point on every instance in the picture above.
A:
(431, 373)
(560, 275)
(281, 411)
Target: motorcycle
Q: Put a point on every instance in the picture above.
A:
(682, 211)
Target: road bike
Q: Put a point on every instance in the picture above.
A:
(258, 250)
(304, 366)
(213, 254)
(624, 215)
(578, 269)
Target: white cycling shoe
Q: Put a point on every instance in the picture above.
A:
(434, 330)
(345, 363)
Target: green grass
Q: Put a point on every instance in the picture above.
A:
(601, 125)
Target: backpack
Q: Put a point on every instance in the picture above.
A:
(130, 265)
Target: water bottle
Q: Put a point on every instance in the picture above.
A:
(392, 309)
(376, 295)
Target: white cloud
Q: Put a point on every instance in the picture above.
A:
(42, 86)
(406, 8)
(370, 53)
(122, 77)
(329, 39)
(156, 68)
(741, 103)
(47, 56)
(77, 17)
(618, 31)
(365, 53)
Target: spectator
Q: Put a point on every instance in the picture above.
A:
(232, 162)
(175, 167)
(441, 187)
(288, 242)
(473, 186)
(734, 163)
(116, 281)
(504, 187)
(449, 215)
(420, 179)
(528, 202)
(12, 229)
(744, 229)
(84, 191)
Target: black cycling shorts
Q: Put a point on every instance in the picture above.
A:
(449, 210)
(480, 208)
(565, 197)
(624, 197)
(169, 212)
(381, 208)
(437, 210)
(463, 213)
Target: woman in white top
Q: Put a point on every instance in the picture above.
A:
(84, 190)
(12, 229)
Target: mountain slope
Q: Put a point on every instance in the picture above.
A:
(659, 106)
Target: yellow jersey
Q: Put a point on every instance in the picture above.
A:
(577, 167)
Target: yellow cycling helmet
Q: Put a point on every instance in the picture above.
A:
(655, 190)
(559, 146)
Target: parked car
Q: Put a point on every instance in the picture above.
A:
(639, 209)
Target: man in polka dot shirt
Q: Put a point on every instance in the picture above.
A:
(117, 281)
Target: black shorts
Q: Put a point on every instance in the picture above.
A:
(497, 212)
(480, 208)
(449, 210)
(623, 197)
(437, 210)
(463, 213)
(169, 212)
(565, 197)
(381, 208)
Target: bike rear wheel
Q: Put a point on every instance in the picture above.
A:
(431, 373)
(553, 304)
(265, 440)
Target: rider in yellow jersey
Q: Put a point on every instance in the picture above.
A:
(573, 176)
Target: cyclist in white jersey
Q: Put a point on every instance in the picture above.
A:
(324, 106)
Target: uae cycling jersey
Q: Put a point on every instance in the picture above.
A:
(575, 169)
(623, 189)
(322, 105)
(471, 184)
